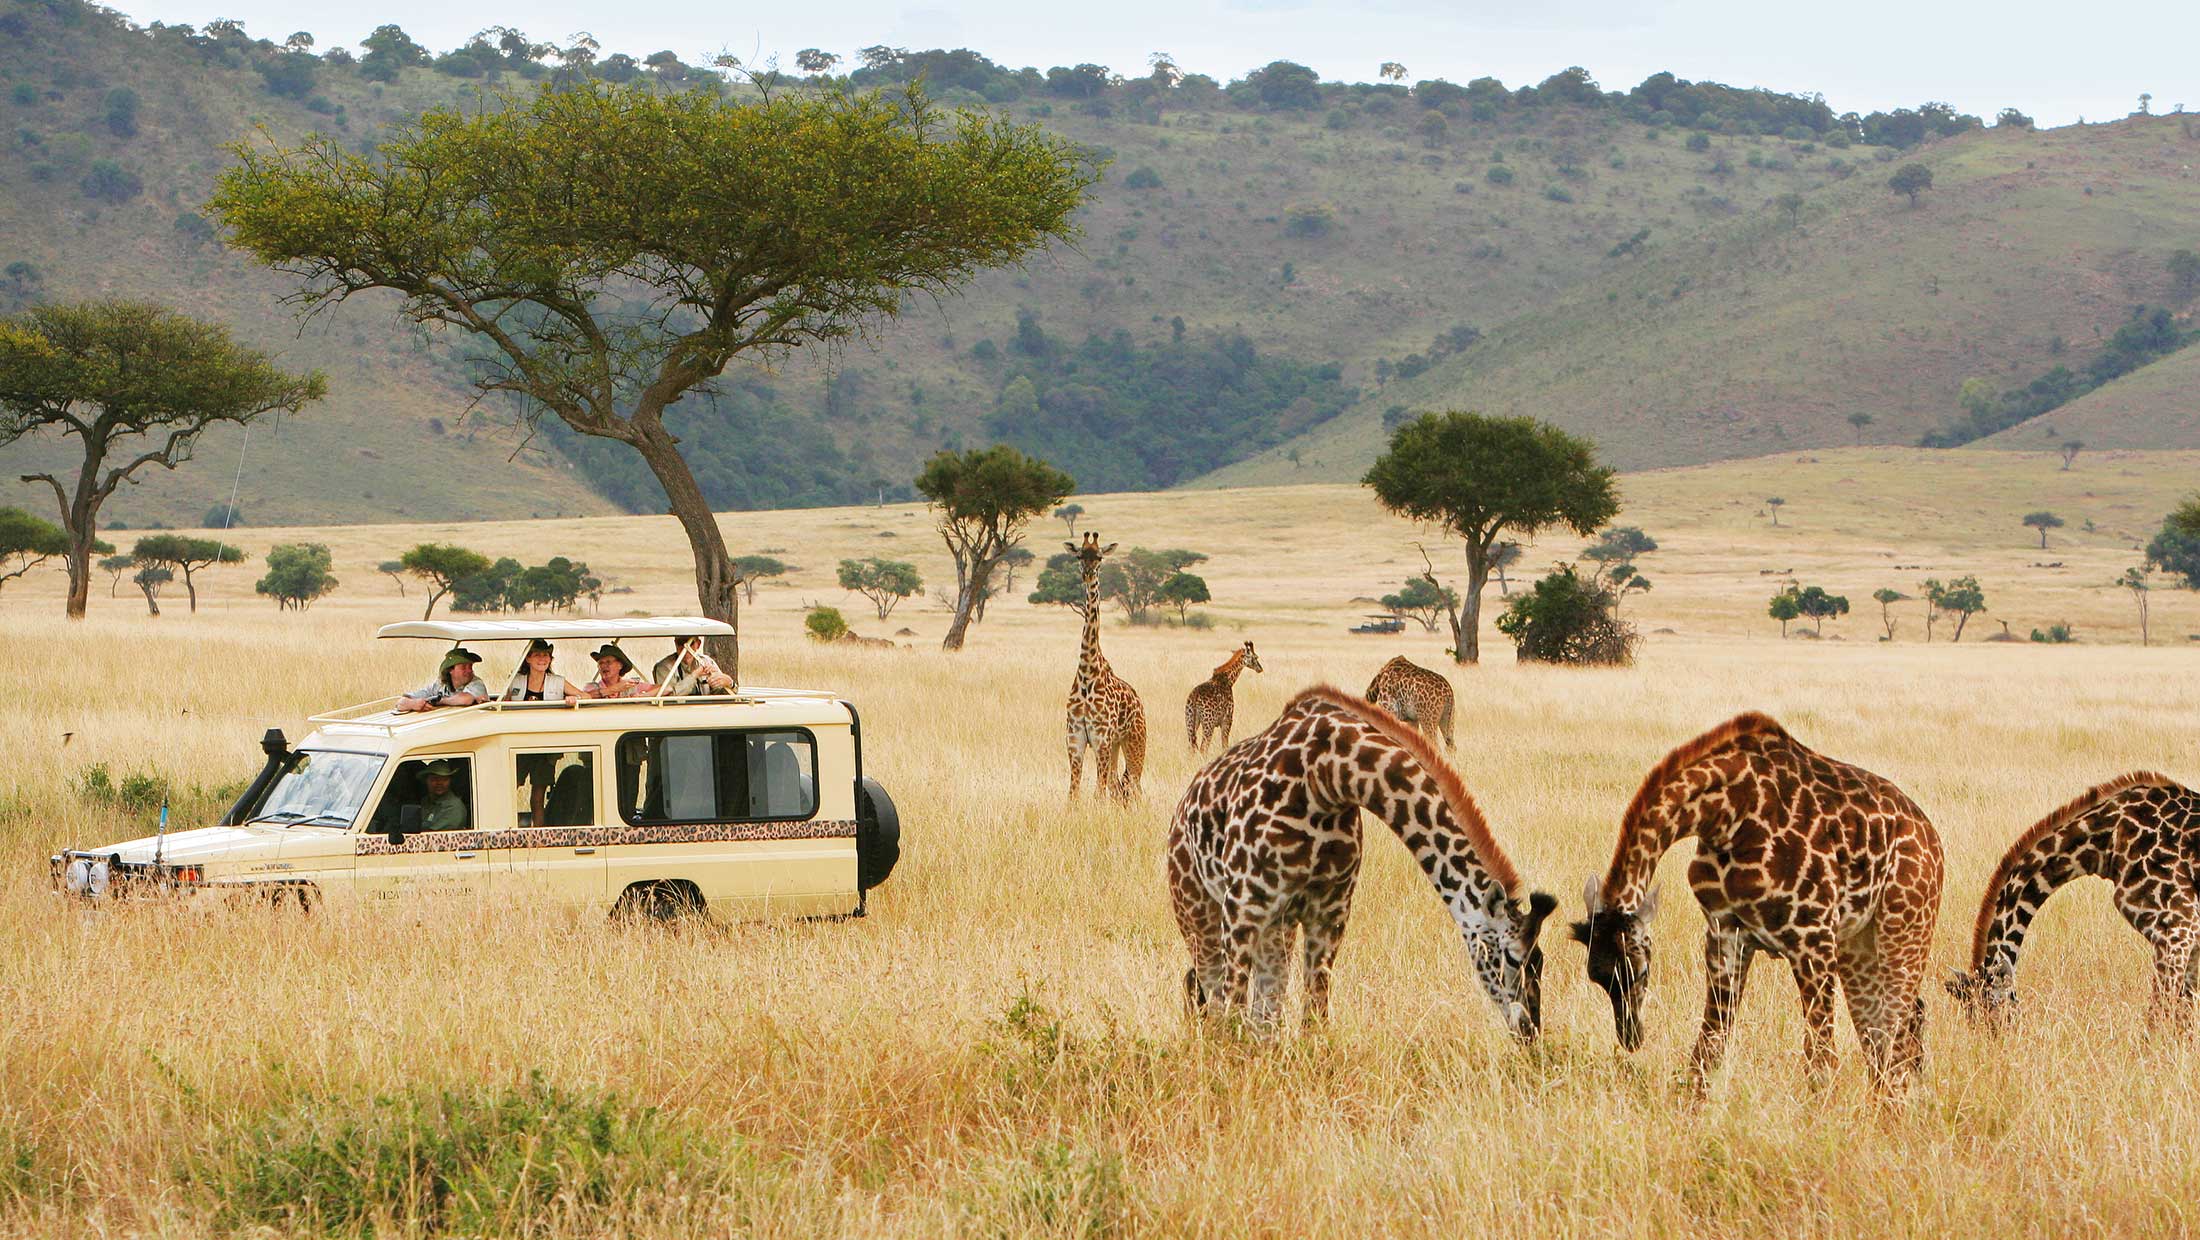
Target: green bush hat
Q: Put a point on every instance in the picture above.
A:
(626, 665)
(456, 657)
(441, 766)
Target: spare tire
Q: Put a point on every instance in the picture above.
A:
(878, 834)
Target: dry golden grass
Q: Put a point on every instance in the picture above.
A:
(998, 1049)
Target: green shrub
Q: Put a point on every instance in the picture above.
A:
(1567, 618)
(1699, 141)
(446, 1163)
(1558, 193)
(826, 624)
(109, 181)
(2055, 634)
(1143, 177)
(1314, 219)
(1498, 174)
(23, 95)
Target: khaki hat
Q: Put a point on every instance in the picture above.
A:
(538, 644)
(441, 766)
(612, 650)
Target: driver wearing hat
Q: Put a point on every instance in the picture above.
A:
(455, 684)
(441, 810)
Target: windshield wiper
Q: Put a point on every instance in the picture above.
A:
(331, 819)
(288, 815)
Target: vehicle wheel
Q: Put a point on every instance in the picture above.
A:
(661, 902)
(878, 835)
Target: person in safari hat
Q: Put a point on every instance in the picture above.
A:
(455, 684)
(614, 676)
(441, 810)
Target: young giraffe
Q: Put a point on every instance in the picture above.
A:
(2142, 833)
(1798, 856)
(1416, 695)
(1104, 714)
(1211, 707)
(1267, 840)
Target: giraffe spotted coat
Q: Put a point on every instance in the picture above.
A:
(2141, 832)
(1103, 716)
(1415, 694)
(1266, 843)
(1798, 856)
(1211, 707)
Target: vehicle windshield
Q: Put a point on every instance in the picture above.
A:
(320, 787)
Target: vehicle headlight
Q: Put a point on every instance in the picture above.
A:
(87, 876)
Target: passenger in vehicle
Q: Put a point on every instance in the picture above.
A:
(441, 809)
(534, 681)
(615, 676)
(455, 685)
(688, 672)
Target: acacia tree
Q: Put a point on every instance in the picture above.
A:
(2175, 548)
(442, 566)
(2136, 580)
(297, 574)
(395, 571)
(750, 569)
(885, 582)
(135, 385)
(115, 566)
(2043, 522)
(1961, 598)
(617, 248)
(1482, 477)
(150, 578)
(27, 542)
(1785, 606)
(1067, 514)
(982, 499)
(1423, 599)
(1817, 604)
(186, 555)
(1887, 598)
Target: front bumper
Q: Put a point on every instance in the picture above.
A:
(106, 876)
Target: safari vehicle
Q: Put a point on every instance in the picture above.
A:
(1380, 622)
(746, 803)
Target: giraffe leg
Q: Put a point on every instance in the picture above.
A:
(1222, 726)
(1321, 928)
(1445, 721)
(1726, 958)
(2171, 1007)
(1271, 977)
(1246, 918)
(1815, 984)
(1133, 744)
(1191, 726)
(1199, 920)
(1076, 761)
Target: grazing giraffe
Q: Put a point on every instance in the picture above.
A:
(1104, 714)
(2141, 832)
(1211, 707)
(1267, 840)
(1799, 856)
(1415, 694)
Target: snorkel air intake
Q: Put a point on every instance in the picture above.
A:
(277, 749)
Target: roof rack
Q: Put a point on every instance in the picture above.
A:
(553, 630)
(380, 716)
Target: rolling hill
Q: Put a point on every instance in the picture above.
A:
(1554, 250)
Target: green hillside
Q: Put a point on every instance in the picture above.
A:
(1261, 255)
(1768, 331)
(2157, 406)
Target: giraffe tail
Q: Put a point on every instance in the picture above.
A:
(1191, 723)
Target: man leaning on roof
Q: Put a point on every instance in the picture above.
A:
(454, 685)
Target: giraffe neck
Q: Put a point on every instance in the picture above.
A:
(1691, 798)
(1091, 664)
(1398, 789)
(1227, 674)
(2032, 872)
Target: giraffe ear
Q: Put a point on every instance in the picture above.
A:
(1592, 895)
(1072, 547)
(1108, 550)
(1649, 907)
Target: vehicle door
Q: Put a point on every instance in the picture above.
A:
(450, 852)
(556, 850)
(728, 810)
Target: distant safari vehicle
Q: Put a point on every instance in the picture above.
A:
(1380, 622)
(744, 803)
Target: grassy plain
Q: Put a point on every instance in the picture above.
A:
(998, 1048)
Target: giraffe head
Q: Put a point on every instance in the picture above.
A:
(1988, 996)
(1619, 958)
(1251, 660)
(1508, 962)
(1089, 553)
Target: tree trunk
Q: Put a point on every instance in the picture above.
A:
(81, 536)
(191, 589)
(1962, 618)
(974, 582)
(152, 600)
(1466, 630)
(717, 587)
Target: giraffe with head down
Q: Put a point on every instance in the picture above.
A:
(1265, 845)
(1818, 862)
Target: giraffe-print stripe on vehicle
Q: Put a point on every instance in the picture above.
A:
(375, 845)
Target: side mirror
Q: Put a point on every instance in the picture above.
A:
(408, 823)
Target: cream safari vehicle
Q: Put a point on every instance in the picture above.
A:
(748, 803)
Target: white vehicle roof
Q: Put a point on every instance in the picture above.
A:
(556, 630)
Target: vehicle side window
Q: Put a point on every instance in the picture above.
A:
(668, 777)
(556, 789)
(442, 787)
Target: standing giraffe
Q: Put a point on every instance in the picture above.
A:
(1104, 714)
(2141, 832)
(1211, 706)
(1267, 840)
(1416, 695)
(1798, 856)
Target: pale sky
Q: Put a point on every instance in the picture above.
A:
(2054, 61)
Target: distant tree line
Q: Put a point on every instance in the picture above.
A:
(2149, 334)
(1119, 408)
